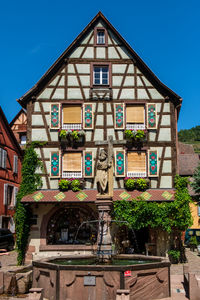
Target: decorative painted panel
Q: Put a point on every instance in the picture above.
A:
(55, 116)
(151, 116)
(88, 164)
(88, 119)
(55, 164)
(153, 163)
(119, 115)
(120, 163)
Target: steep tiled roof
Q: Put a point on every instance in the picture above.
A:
(44, 196)
(185, 148)
(187, 164)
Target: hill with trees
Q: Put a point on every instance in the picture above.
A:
(191, 136)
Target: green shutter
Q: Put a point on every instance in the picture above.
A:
(152, 163)
(55, 116)
(88, 164)
(151, 116)
(88, 116)
(120, 163)
(55, 164)
(119, 115)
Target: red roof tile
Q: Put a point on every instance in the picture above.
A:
(45, 196)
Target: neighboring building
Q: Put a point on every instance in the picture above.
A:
(99, 85)
(19, 127)
(10, 173)
(188, 161)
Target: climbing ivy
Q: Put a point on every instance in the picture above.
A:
(166, 215)
(30, 182)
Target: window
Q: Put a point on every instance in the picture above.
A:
(136, 164)
(135, 117)
(3, 158)
(23, 139)
(100, 37)
(101, 75)
(72, 117)
(10, 194)
(72, 165)
(15, 164)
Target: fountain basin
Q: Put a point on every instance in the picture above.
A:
(148, 280)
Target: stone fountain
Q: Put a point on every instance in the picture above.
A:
(102, 276)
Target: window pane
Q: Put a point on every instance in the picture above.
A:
(105, 69)
(97, 69)
(100, 37)
(97, 81)
(104, 81)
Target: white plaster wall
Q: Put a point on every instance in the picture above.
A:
(88, 136)
(131, 69)
(139, 82)
(36, 107)
(85, 80)
(98, 135)
(118, 68)
(164, 135)
(83, 68)
(109, 120)
(166, 120)
(120, 134)
(46, 106)
(54, 135)
(100, 52)
(72, 80)
(168, 152)
(89, 52)
(71, 68)
(123, 52)
(147, 83)
(55, 80)
(54, 183)
(59, 94)
(100, 107)
(152, 135)
(77, 52)
(74, 93)
(112, 53)
(87, 93)
(99, 120)
(142, 94)
(115, 93)
(46, 93)
(37, 120)
(166, 107)
(158, 107)
(86, 39)
(166, 182)
(108, 107)
(48, 150)
(110, 131)
(167, 166)
(127, 94)
(44, 184)
(116, 80)
(88, 183)
(154, 183)
(39, 135)
(62, 81)
(155, 94)
(129, 80)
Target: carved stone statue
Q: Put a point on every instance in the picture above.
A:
(103, 164)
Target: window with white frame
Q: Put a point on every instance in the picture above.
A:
(72, 117)
(72, 165)
(136, 164)
(15, 164)
(101, 75)
(135, 117)
(3, 158)
(10, 194)
(100, 37)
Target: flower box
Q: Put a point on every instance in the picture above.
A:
(132, 135)
(71, 136)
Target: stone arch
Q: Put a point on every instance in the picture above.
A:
(55, 212)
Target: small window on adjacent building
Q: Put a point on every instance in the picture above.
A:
(136, 164)
(72, 165)
(135, 117)
(101, 75)
(23, 139)
(100, 37)
(72, 117)
(3, 158)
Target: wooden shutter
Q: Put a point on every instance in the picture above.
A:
(135, 114)
(15, 164)
(88, 164)
(4, 159)
(151, 116)
(136, 162)
(153, 163)
(119, 115)
(72, 114)
(72, 162)
(1, 157)
(120, 163)
(55, 116)
(88, 116)
(15, 195)
(5, 194)
(55, 164)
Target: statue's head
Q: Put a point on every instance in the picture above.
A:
(102, 155)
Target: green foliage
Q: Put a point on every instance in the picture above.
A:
(139, 135)
(63, 134)
(196, 182)
(36, 144)
(76, 185)
(129, 134)
(175, 255)
(75, 135)
(130, 184)
(189, 135)
(64, 184)
(193, 240)
(142, 184)
(165, 215)
(30, 182)
(135, 135)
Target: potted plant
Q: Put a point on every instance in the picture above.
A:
(63, 135)
(142, 184)
(64, 184)
(174, 256)
(76, 185)
(140, 135)
(135, 135)
(130, 183)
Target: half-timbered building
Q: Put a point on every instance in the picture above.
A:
(19, 127)
(99, 87)
(10, 173)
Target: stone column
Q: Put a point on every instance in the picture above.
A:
(104, 241)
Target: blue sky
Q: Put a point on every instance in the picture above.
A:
(166, 34)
